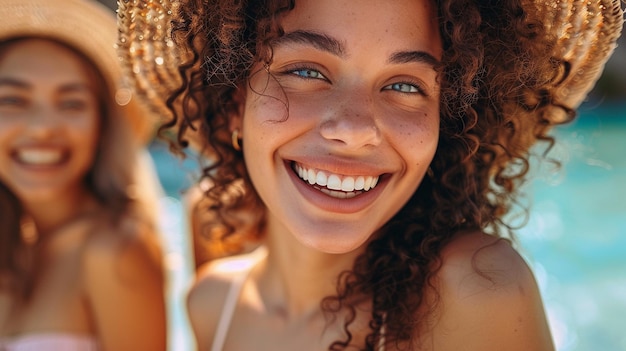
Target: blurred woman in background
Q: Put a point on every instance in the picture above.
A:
(80, 263)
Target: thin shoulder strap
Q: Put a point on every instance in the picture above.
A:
(231, 300)
(228, 310)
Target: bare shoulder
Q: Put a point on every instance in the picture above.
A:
(206, 296)
(488, 298)
(124, 285)
(131, 244)
(209, 289)
(214, 278)
(476, 261)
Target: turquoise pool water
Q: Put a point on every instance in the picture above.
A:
(575, 238)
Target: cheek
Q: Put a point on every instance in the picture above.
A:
(265, 106)
(416, 138)
(273, 117)
(11, 126)
(5, 141)
(86, 133)
(269, 102)
(258, 117)
(3, 167)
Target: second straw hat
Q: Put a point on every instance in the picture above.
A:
(89, 27)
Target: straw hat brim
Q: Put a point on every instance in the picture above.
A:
(88, 27)
(586, 32)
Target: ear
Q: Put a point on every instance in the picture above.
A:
(235, 116)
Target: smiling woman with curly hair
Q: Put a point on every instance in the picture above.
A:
(372, 150)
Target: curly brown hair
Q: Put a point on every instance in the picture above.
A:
(498, 80)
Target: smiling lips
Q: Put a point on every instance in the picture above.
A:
(39, 156)
(336, 185)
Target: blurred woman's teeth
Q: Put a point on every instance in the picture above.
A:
(39, 157)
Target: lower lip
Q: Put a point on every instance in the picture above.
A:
(333, 204)
(41, 165)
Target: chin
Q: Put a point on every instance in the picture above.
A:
(336, 243)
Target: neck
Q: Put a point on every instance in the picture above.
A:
(48, 216)
(296, 277)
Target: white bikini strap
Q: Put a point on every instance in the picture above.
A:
(232, 297)
(228, 311)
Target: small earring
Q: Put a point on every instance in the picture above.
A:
(234, 138)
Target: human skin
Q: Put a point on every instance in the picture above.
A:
(351, 112)
(94, 278)
(337, 98)
(358, 112)
(49, 123)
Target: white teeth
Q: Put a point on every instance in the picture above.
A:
(338, 194)
(367, 184)
(39, 156)
(374, 182)
(334, 182)
(336, 185)
(359, 183)
(347, 184)
(321, 179)
(302, 173)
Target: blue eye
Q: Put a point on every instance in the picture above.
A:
(403, 88)
(308, 73)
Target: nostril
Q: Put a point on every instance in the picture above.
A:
(353, 131)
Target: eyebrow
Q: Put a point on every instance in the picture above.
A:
(75, 87)
(319, 41)
(67, 88)
(333, 46)
(415, 56)
(13, 83)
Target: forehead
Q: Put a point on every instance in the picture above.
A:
(40, 60)
(410, 23)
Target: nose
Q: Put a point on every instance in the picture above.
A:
(43, 121)
(351, 123)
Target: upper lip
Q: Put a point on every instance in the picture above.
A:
(341, 165)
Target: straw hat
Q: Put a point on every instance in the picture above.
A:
(89, 27)
(587, 32)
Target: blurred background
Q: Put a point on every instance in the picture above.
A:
(574, 238)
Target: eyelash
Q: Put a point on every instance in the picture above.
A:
(74, 104)
(11, 100)
(293, 70)
(411, 83)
